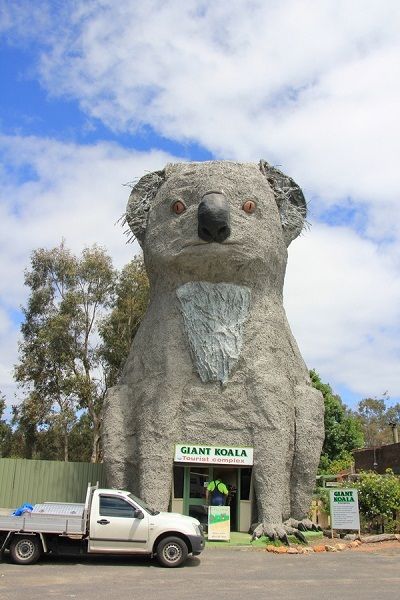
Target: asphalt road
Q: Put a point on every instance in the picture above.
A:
(216, 574)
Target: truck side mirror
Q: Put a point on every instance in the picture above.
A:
(137, 514)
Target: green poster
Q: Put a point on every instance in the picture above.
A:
(219, 523)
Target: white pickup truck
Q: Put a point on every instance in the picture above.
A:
(110, 522)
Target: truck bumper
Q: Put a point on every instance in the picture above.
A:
(197, 542)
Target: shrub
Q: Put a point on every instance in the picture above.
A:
(379, 499)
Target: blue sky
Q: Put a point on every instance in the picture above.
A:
(97, 93)
(27, 109)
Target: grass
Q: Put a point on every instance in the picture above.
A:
(239, 539)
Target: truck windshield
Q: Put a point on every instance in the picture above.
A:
(143, 504)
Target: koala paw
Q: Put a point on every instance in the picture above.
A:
(303, 525)
(281, 531)
(274, 531)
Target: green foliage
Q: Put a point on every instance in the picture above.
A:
(342, 430)
(120, 326)
(79, 322)
(5, 430)
(392, 415)
(391, 525)
(60, 366)
(376, 420)
(81, 439)
(345, 462)
(28, 419)
(322, 494)
(379, 498)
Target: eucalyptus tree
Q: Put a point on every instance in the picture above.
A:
(377, 419)
(119, 327)
(59, 360)
(5, 430)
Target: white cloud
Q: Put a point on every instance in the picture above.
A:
(342, 296)
(309, 85)
(76, 192)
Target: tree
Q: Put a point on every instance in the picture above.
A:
(60, 365)
(120, 326)
(81, 439)
(342, 430)
(376, 419)
(392, 415)
(27, 419)
(5, 430)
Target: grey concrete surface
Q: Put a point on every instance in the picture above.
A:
(219, 574)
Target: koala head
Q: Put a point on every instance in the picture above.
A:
(216, 220)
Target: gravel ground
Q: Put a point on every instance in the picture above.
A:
(216, 574)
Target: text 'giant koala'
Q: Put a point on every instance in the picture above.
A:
(214, 360)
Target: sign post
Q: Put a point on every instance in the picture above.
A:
(344, 509)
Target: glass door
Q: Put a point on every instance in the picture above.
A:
(195, 500)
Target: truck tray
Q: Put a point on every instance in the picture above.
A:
(66, 509)
(44, 523)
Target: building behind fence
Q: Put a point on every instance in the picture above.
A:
(36, 481)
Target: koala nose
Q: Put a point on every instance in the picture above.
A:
(213, 218)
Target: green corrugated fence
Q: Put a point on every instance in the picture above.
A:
(36, 481)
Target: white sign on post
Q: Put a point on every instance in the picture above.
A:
(344, 509)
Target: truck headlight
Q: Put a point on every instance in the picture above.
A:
(198, 529)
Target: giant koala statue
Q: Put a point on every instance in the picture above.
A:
(214, 361)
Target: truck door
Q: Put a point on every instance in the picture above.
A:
(115, 528)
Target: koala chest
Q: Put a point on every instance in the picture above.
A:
(213, 320)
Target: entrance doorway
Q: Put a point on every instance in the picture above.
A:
(194, 491)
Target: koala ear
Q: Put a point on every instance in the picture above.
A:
(139, 203)
(290, 200)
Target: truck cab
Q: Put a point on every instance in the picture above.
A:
(122, 523)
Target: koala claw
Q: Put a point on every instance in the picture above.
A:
(303, 525)
(274, 531)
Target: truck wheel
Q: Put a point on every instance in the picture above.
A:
(172, 552)
(25, 550)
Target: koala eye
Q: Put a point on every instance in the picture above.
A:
(178, 207)
(249, 206)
